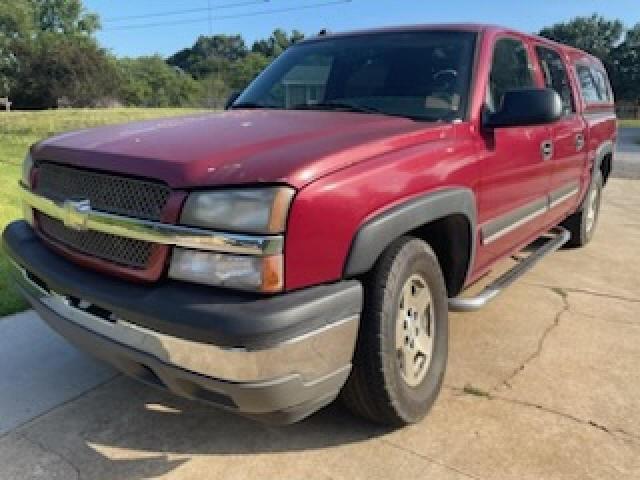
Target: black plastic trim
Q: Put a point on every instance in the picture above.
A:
(378, 233)
(605, 148)
(505, 222)
(560, 192)
(222, 317)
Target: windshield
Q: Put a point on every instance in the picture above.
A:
(420, 75)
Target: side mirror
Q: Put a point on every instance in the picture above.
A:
(531, 106)
(232, 98)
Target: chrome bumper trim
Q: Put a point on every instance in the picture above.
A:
(79, 216)
(312, 356)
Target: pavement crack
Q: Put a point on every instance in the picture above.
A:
(428, 459)
(568, 416)
(541, 341)
(584, 291)
(46, 449)
(553, 411)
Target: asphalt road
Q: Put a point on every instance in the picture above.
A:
(627, 160)
(542, 383)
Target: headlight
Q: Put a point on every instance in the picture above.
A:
(27, 166)
(261, 274)
(247, 210)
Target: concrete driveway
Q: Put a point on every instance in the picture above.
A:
(542, 384)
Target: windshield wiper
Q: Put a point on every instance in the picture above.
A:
(252, 105)
(350, 107)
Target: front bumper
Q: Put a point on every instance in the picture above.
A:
(277, 359)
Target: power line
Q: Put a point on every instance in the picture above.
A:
(225, 17)
(184, 11)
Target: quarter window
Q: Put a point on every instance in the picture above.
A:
(555, 76)
(602, 85)
(591, 92)
(510, 70)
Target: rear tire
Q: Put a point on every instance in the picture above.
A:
(583, 223)
(402, 347)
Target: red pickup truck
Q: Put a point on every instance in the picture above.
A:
(308, 242)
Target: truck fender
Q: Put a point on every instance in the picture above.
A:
(374, 236)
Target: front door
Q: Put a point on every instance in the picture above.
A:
(516, 167)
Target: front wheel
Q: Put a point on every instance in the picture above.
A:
(401, 354)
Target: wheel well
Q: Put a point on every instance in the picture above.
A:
(605, 167)
(450, 237)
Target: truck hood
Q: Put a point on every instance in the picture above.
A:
(238, 147)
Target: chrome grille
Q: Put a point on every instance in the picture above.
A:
(121, 250)
(109, 193)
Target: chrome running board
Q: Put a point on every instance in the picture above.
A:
(470, 304)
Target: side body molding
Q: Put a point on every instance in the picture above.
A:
(379, 232)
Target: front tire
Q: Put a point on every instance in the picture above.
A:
(401, 353)
(582, 224)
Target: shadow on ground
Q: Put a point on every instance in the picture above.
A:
(118, 430)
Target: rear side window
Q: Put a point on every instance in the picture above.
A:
(593, 85)
(555, 76)
(510, 70)
(603, 85)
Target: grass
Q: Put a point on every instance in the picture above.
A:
(629, 123)
(18, 130)
(478, 392)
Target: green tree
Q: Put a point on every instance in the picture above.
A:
(68, 17)
(214, 91)
(48, 52)
(246, 69)
(151, 82)
(73, 69)
(625, 65)
(595, 34)
(609, 40)
(277, 43)
(16, 19)
(209, 55)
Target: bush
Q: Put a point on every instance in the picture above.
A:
(151, 82)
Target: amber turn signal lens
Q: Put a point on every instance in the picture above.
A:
(272, 274)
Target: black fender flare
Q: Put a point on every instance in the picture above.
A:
(605, 148)
(374, 236)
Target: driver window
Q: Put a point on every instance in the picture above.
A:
(555, 76)
(510, 70)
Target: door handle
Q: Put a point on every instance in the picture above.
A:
(546, 150)
(579, 142)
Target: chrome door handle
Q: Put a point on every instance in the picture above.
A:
(579, 142)
(546, 149)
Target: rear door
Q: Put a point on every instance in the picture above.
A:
(569, 159)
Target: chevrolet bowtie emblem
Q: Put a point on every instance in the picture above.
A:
(76, 214)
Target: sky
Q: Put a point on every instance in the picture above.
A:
(166, 31)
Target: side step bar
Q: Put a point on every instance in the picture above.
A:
(470, 304)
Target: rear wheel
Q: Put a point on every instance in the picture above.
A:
(582, 224)
(401, 354)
